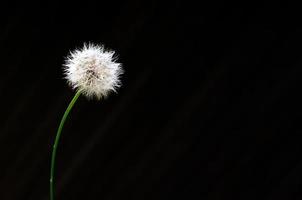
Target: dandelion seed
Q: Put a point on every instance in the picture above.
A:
(93, 70)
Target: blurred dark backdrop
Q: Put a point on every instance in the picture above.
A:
(210, 106)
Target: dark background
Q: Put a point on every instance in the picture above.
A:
(210, 106)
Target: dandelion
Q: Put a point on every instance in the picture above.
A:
(93, 72)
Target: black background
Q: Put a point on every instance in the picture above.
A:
(210, 106)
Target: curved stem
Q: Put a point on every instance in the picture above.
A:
(54, 151)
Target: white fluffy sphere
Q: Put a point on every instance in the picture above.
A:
(93, 70)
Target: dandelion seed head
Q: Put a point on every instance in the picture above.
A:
(93, 70)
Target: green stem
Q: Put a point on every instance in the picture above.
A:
(54, 151)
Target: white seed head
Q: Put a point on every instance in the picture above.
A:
(93, 70)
